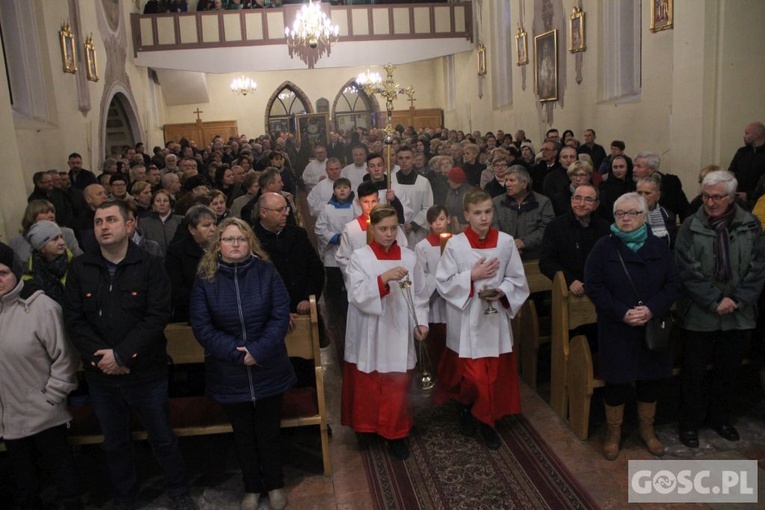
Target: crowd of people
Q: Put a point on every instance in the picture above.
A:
(423, 239)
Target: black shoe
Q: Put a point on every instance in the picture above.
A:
(726, 431)
(465, 420)
(690, 438)
(490, 436)
(398, 448)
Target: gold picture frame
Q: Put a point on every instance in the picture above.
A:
(481, 55)
(662, 15)
(521, 47)
(91, 63)
(546, 65)
(577, 30)
(68, 49)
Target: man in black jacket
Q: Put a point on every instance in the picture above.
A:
(748, 164)
(116, 307)
(569, 238)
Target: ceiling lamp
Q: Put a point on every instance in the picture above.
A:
(312, 29)
(243, 86)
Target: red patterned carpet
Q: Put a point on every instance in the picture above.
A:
(447, 471)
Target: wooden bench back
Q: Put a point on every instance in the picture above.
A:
(538, 282)
(183, 348)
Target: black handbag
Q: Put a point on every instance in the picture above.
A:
(658, 329)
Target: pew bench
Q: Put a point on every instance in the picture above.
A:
(198, 415)
(527, 324)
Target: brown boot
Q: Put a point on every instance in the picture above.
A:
(646, 414)
(614, 418)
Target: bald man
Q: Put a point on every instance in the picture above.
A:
(748, 164)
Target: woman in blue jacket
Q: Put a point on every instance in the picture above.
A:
(240, 313)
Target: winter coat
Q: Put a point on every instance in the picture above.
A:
(127, 313)
(154, 229)
(38, 366)
(181, 262)
(526, 222)
(566, 244)
(623, 355)
(700, 293)
(246, 305)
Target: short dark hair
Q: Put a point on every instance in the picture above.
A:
(367, 188)
(37, 177)
(125, 211)
(618, 144)
(342, 181)
(434, 212)
(374, 155)
(547, 134)
(405, 148)
(117, 177)
(74, 155)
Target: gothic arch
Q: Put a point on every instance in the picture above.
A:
(372, 101)
(292, 87)
(126, 101)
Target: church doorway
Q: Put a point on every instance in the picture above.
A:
(120, 120)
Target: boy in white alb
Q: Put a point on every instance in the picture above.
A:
(354, 234)
(329, 227)
(379, 345)
(478, 368)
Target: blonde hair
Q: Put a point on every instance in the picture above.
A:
(210, 262)
(380, 212)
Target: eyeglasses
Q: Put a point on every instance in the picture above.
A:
(587, 200)
(499, 165)
(628, 214)
(580, 175)
(713, 198)
(281, 210)
(234, 240)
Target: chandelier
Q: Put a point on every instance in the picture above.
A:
(312, 29)
(243, 86)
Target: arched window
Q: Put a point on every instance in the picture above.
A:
(620, 78)
(353, 108)
(286, 102)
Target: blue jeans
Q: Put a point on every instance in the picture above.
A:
(112, 405)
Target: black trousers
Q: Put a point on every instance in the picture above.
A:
(645, 391)
(52, 448)
(257, 434)
(724, 349)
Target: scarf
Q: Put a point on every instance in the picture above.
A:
(721, 224)
(48, 276)
(633, 240)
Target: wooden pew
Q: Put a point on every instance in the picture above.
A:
(526, 325)
(568, 312)
(301, 406)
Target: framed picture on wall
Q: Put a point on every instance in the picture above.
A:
(521, 47)
(576, 26)
(68, 50)
(282, 124)
(662, 15)
(90, 59)
(546, 65)
(313, 128)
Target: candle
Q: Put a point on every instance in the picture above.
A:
(370, 237)
(444, 238)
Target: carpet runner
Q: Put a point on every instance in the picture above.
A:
(447, 471)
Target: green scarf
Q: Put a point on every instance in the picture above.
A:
(633, 240)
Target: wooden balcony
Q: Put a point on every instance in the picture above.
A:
(253, 40)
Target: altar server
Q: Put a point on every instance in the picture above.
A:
(478, 368)
(379, 346)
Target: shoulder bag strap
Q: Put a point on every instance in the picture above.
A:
(629, 278)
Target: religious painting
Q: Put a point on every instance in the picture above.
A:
(481, 53)
(280, 124)
(521, 47)
(68, 50)
(90, 59)
(546, 65)
(662, 15)
(576, 25)
(313, 128)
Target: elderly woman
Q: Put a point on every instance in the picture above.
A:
(161, 224)
(579, 172)
(720, 252)
(39, 210)
(631, 255)
(240, 312)
(662, 221)
(38, 368)
(618, 181)
(522, 213)
(499, 165)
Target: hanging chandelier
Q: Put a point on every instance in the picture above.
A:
(311, 28)
(311, 35)
(243, 86)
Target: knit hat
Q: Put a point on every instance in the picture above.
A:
(527, 144)
(41, 233)
(456, 175)
(7, 258)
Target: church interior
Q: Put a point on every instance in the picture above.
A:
(91, 76)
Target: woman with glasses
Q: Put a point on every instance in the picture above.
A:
(631, 255)
(579, 172)
(240, 312)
